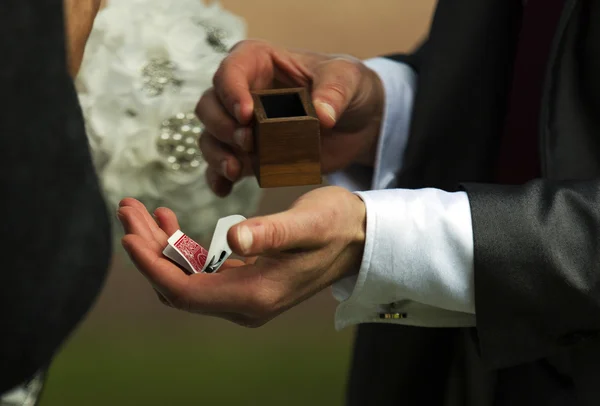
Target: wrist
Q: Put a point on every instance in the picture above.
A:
(359, 220)
(356, 245)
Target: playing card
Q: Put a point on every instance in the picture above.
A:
(186, 252)
(193, 257)
(175, 256)
(219, 249)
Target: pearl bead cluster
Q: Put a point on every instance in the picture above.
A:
(178, 142)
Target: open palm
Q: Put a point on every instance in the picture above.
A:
(145, 240)
(292, 255)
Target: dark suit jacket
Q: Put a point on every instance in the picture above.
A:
(56, 245)
(537, 246)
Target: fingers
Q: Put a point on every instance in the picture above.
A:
(220, 157)
(164, 276)
(167, 221)
(134, 223)
(218, 184)
(254, 65)
(132, 211)
(248, 66)
(226, 109)
(336, 82)
(293, 229)
(223, 145)
(201, 293)
(157, 233)
(171, 284)
(238, 293)
(220, 123)
(232, 83)
(231, 264)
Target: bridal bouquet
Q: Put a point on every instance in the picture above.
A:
(147, 63)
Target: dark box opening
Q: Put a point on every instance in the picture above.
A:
(283, 105)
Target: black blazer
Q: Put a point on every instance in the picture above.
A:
(537, 246)
(56, 240)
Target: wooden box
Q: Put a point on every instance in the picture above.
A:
(287, 143)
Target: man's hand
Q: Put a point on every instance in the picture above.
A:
(292, 256)
(347, 95)
(79, 16)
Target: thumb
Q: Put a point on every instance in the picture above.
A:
(335, 84)
(292, 229)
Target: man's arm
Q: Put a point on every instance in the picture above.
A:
(525, 257)
(56, 245)
(397, 269)
(537, 267)
(399, 82)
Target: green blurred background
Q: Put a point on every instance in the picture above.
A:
(131, 350)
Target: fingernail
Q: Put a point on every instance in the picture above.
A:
(328, 109)
(239, 137)
(245, 238)
(237, 111)
(224, 168)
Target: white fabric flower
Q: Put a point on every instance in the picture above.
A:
(147, 62)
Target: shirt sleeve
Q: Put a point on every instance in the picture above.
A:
(417, 261)
(418, 258)
(399, 84)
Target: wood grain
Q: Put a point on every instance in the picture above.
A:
(287, 142)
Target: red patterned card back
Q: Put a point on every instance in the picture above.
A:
(192, 251)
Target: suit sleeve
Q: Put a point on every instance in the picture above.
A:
(537, 267)
(56, 234)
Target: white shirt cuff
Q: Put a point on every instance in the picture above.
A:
(399, 84)
(418, 257)
(418, 260)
